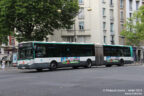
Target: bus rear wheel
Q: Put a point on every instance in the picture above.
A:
(108, 65)
(89, 64)
(121, 63)
(53, 66)
(39, 70)
(75, 67)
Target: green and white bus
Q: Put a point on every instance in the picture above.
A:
(42, 55)
(52, 55)
(117, 54)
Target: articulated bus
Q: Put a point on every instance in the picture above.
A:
(53, 55)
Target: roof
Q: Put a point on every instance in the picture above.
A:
(77, 43)
(58, 42)
(118, 45)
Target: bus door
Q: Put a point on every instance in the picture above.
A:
(99, 57)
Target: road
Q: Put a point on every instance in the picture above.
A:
(97, 81)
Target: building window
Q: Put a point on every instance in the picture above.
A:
(121, 4)
(105, 39)
(71, 27)
(137, 5)
(103, 1)
(111, 27)
(111, 14)
(111, 2)
(122, 27)
(81, 13)
(81, 1)
(104, 25)
(130, 5)
(121, 15)
(103, 12)
(68, 39)
(81, 25)
(112, 39)
(130, 15)
(83, 39)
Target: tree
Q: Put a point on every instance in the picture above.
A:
(35, 19)
(134, 28)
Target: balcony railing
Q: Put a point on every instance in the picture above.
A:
(111, 5)
(112, 33)
(104, 32)
(75, 33)
(111, 19)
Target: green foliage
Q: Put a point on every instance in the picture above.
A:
(35, 19)
(134, 28)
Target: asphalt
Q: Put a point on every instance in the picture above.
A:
(97, 81)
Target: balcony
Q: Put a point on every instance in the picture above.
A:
(112, 33)
(122, 20)
(75, 33)
(130, 8)
(104, 32)
(103, 2)
(121, 6)
(67, 33)
(104, 17)
(111, 19)
(111, 5)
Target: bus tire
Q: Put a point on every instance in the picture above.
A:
(121, 63)
(75, 67)
(53, 66)
(89, 64)
(39, 70)
(108, 65)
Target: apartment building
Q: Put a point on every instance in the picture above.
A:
(125, 10)
(132, 6)
(121, 19)
(96, 22)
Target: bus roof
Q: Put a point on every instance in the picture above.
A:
(119, 45)
(41, 42)
(80, 43)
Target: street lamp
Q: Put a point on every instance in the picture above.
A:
(59, 10)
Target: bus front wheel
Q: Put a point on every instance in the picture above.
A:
(53, 66)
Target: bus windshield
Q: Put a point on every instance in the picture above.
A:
(25, 53)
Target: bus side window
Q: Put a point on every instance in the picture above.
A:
(51, 51)
(40, 51)
(120, 51)
(126, 52)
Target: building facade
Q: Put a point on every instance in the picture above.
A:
(96, 22)
(125, 10)
(132, 6)
(121, 19)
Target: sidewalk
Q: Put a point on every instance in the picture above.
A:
(15, 68)
(137, 63)
(9, 69)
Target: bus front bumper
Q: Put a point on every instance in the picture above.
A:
(33, 66)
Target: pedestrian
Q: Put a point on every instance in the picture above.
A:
(3, 64)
